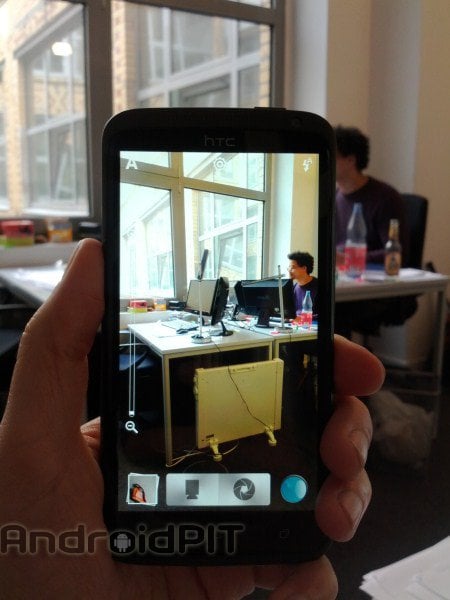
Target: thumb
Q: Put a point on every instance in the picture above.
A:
(48, 389)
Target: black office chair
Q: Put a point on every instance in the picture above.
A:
(416, 208)
(13, 318)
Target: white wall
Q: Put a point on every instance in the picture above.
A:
(432, 166)
(385, 70)
(348, 69)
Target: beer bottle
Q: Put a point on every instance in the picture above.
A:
(393, 250)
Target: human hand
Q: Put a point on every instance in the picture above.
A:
(51, 481)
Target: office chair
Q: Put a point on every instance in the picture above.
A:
(13, 318)
(416, 208)
(394, 344)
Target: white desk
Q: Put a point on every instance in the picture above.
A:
(282, 337)
(410, 282)
(167, 344)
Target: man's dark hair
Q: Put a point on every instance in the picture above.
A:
(303, 259)
(350, 141)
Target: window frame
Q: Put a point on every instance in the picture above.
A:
(98, 34)
(99, 80)
(173, 180)
(36, 46)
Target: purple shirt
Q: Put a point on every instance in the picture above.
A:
(300, 293)
(380, 203)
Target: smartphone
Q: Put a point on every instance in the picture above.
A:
(210, 432)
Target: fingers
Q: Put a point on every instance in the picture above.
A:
(346, 439)
(314, 580)
(345, 495)
(50, 379)
(341, 505)
(357, 371)
(91, 434)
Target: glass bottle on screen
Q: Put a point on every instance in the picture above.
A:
(307, 310)
(393, 250)
(355, 250)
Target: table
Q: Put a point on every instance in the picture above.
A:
(168, 345)
(32, 285)
(375, 284)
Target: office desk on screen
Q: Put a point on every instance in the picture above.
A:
(168, 346)
(244, 346)
(410, 282)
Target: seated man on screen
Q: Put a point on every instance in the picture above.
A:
(301, 265)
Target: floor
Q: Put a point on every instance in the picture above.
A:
(410, 510)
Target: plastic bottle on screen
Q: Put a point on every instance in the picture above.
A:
(307, 312)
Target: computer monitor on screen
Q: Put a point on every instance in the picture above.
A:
(262, 299)
(211, 296)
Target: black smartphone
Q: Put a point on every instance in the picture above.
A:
(210, 439)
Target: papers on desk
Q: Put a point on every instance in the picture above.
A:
(44, 278)
(379, 275)
(422, 576)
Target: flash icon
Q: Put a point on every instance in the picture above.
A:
(307, 164)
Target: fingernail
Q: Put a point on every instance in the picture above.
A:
(361, 442)
(71, 259)
(352, 505)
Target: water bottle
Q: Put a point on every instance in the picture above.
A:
(355, 250)
(307, 311)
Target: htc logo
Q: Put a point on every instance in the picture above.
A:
(219, 142)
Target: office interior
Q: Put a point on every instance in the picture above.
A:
(381, 66)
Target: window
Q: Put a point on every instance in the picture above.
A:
(67, 65)
(55, 144)
(188, 59)
(44, 63)
(219, 207)
(3, 189)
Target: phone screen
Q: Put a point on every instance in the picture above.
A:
(219, 401)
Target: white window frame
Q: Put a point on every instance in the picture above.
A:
(172, 179)
(99, 65)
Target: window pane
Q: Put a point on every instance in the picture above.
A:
(45, 92)
(240, 170)
(221, 224)
(213, 93)
(197, 39)
(164, 57)
(146, 242)
(3, 185)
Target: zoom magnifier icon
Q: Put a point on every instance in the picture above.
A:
(130, 426)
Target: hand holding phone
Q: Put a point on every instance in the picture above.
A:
(57, 452)
(226, 459)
